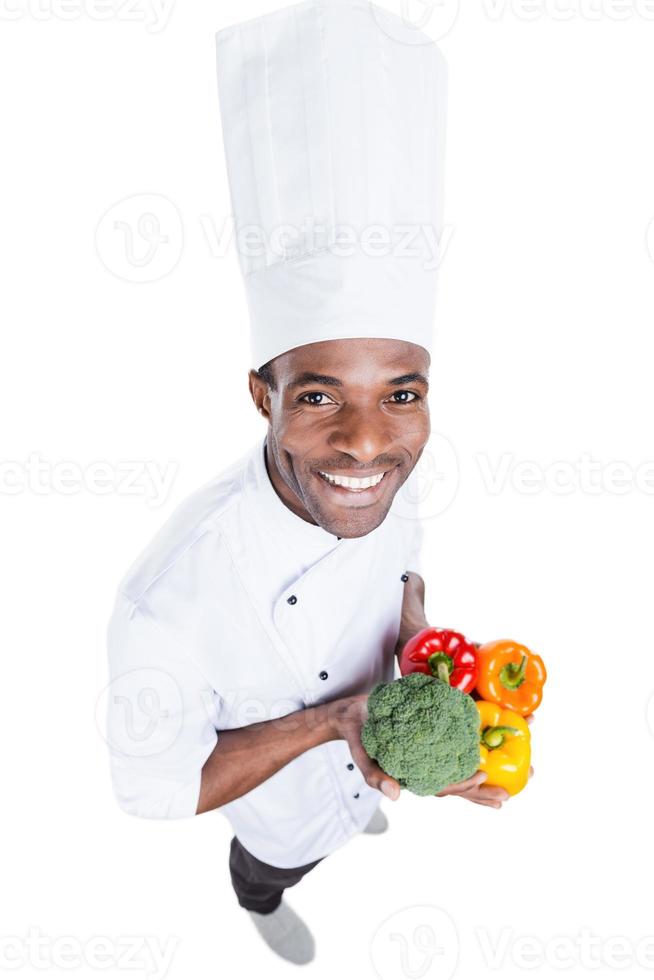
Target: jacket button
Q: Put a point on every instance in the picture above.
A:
(350, 765)
(356, 796)
(292, 599)
(405, 577)
(323, 675)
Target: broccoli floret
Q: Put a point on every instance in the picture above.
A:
(422, 732)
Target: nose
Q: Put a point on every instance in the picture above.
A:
(362, 434)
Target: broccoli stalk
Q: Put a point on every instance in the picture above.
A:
(422, 732)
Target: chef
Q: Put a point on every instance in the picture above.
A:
(245, 639)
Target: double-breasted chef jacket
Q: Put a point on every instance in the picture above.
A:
(240, 611)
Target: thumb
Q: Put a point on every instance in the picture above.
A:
(380, 780)
(390, 788)
(374, 775)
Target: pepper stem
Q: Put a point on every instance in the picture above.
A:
(494, 738)
(513, 675)
(441, 665)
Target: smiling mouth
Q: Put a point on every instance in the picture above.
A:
(352, 484)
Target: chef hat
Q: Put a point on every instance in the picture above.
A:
(333, 123)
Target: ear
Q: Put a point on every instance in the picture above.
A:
(260, 394)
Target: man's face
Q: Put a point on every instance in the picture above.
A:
(343, 411)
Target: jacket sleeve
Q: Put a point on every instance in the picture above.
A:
(159, 711)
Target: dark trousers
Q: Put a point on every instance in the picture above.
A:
(259, 886)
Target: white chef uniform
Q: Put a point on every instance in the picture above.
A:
(240, 611)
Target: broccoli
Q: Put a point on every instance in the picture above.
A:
(422, 732)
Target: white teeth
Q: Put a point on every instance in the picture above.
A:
(351, 483)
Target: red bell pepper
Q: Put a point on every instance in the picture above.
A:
(443, 654)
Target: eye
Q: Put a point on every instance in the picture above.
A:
(405, 397)
(314, 394)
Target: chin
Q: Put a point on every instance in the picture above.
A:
(351, 513)
(354, 525)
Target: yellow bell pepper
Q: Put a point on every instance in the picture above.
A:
(505, 749)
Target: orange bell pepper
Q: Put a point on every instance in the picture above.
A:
(505, 750)
(510, 675)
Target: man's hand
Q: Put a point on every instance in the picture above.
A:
(350, 719)
(473, 789)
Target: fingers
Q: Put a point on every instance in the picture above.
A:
(493, 794)
(471, 783)
(473, 789)
(488, 794)
(457, 788)
(491, 801)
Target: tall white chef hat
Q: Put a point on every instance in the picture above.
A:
(333, 115)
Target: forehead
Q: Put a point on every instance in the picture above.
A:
(353, 361)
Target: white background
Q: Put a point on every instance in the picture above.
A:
(544, 356)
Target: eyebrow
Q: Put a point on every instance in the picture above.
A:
(407, 379)
(308, 378)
